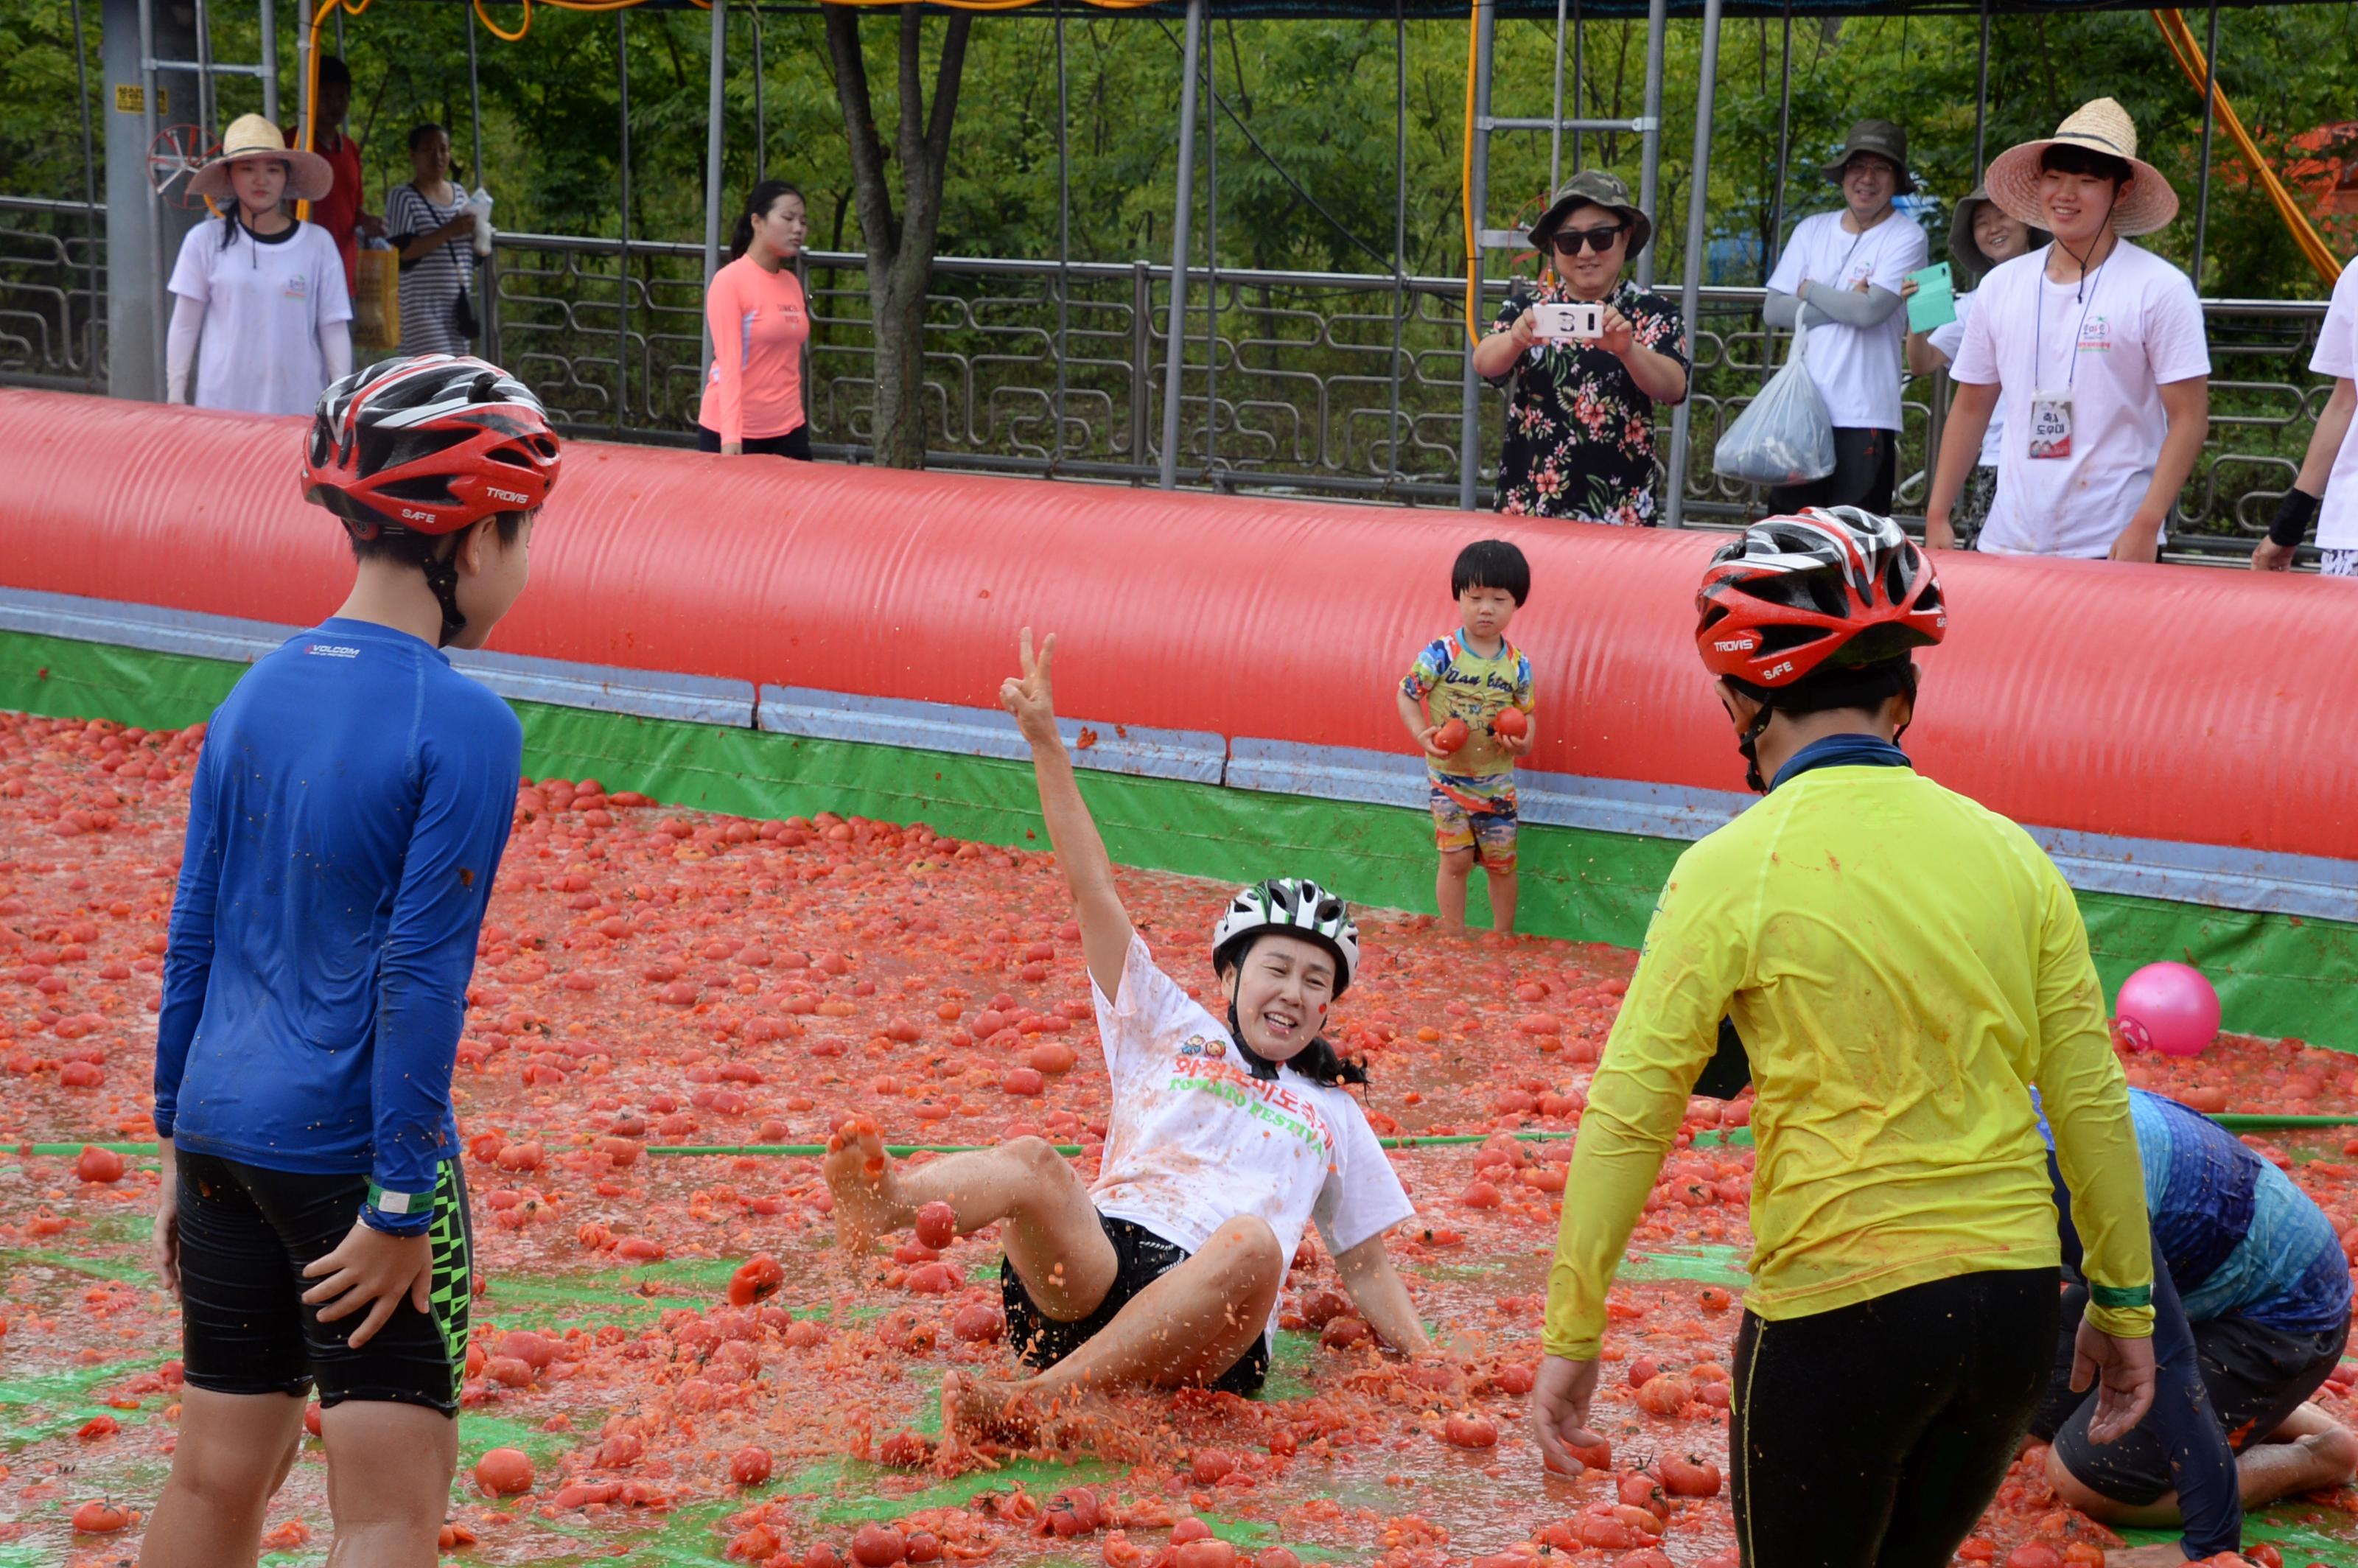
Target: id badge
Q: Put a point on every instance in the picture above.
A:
(2051, 425)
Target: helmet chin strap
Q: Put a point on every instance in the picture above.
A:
(1750, 746)
(442, 576)
(1258, 1065)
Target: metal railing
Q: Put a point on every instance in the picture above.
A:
(1332, 383)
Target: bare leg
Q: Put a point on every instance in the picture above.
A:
(1502, 903)
(2307, 1452)
(389, 1469)
(1187, 1327)
(1051, 1232)
(234, 1450)
(1449, 889)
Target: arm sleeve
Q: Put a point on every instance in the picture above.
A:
(1692, 962)
(724, 314)
(2087, 1103)
(1425, 674)
(328, 287)
(466, 803)
(189, 951)
(336, 349)
(1851, 307)
(180, 346)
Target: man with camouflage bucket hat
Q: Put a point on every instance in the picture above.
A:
(1839, 275)
(1580, 408)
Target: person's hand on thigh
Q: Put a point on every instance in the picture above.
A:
(372, 1272)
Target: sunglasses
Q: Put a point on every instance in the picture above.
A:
(1572, 241)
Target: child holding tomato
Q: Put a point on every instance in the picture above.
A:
(1468, 705)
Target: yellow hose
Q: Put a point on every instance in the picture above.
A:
(2189, 54)
(1465, 186)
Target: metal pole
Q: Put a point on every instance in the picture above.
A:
(270, 64)
(1211, 264)
(717, 82)
(90, 201)
(761, 114)
(205, 104)
(1649, 173)
(1555, 135)
(1064, 238)
(2203, 180)
(159, 307)
(1981, 96)
(622, 256)
(1784, 155)
(1477, 196)
(1579, 76)
(490, 289)
(1690, 274)
(339, 31)
(1182, 209)
(1400, 220)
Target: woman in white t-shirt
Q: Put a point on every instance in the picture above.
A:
(260, 313)
(1980, 235)
(1224, 1141)
(1839, 276)
(2326, 489)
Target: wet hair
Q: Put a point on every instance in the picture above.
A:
(418, 133)
(416, 550)
(1833, 685)
(333, 70)
(1318, 1061)
(1491, 563)
(758, 203)
(2063, 157)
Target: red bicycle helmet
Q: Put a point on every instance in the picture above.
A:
(428, 445)
(1830, 583)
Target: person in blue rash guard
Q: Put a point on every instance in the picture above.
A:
(345, 825)
(2251, 1311)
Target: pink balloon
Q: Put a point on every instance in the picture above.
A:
(2168, 1007)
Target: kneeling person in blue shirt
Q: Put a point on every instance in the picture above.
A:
(345, 825)
(2252, 1310)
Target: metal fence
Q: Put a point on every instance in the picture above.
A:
(1315, 384)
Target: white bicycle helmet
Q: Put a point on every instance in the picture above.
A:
(1291, 906)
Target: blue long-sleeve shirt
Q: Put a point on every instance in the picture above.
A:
(345, 825)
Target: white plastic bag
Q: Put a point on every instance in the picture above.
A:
(1784, 436)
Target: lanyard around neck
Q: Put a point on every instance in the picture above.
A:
(2039, 324)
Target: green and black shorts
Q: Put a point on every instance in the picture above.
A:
(246, 1234)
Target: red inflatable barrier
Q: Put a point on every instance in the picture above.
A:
(2147, 702)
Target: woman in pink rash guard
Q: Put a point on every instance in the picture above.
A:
(761, 329)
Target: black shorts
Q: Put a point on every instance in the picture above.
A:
(1874, 1436)
(246, 1235)
(794, 443)
(1140, 1259)
(2254, 1377)
(1866, 469)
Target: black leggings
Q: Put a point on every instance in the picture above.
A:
(794, 443)
(1873, 1437)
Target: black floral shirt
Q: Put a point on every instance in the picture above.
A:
(1580, 433)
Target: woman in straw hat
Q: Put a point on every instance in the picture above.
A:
(1980, 235)
(261, 313)
(2097, 346)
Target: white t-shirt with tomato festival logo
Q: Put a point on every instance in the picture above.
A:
(1195, 1140)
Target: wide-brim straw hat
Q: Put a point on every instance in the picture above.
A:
(1966, 257)
(2100, 127)
(308, 176)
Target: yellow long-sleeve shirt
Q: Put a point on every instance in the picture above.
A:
(1903, 965)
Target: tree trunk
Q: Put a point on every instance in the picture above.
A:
(899, 244)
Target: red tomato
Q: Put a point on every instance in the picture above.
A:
(878, 1546)
(1464, 1431)
(2034, 1554)
(1189, 1528)
(1211, 1552)
(1514, 1378)
(925, 1546)
(1690, 1476)
(938, 1225)
(96, 1164)
(1453, 735)
(101, 1518)
(1664, 1395)
(1210, 1464)
(535, 1350)
(755, 1279)
(749, 1466)
(504, 1472)
(1120, 1552)
(978, 1323)
(98, 1426)
(1511, 722)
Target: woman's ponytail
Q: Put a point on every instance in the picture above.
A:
(758, 203)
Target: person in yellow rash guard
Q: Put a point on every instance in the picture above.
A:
(1902, 965)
